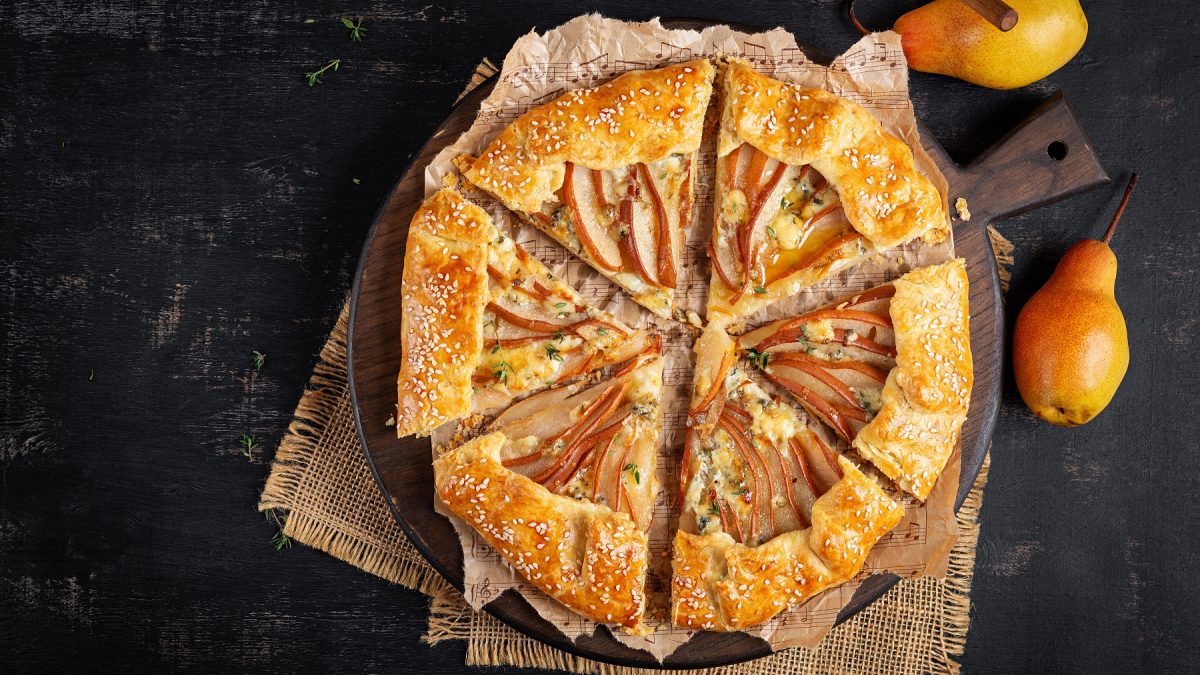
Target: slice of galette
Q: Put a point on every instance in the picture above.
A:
(563, 486)
(808, 183)
(770, 514)
(888, 369)
(484, 322)
(608, 172)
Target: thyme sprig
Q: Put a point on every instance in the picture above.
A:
(356, 29)
(249, 445)
(760, 359)
(314, 78)
(279, 540)
(637, 474)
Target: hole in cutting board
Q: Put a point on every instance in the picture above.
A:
(1057, 151)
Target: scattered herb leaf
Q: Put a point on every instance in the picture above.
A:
(356, 29)
(279, 540)
(249, 445)
(553, 352)
(91, 374)
(760, 359)
(502, 370)
(257, 359)
(714, 509)
(356, 181)
(637, 475)
(314, 78)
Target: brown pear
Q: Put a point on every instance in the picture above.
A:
(1070, 347)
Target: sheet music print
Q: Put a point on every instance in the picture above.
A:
(879, 57)
(500, 116)
(911, 530)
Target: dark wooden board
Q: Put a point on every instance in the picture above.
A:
(1047, 157)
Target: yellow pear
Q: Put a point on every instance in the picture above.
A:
(1070, 346)
(950, 38)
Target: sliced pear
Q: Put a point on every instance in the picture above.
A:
(766, 196)
(580, 196)
(665, 265)
(641, 237)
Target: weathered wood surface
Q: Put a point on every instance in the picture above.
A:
(173, 195)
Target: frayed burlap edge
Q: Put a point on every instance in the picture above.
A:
(323, 406)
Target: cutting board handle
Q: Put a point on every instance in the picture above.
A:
(1048, 156)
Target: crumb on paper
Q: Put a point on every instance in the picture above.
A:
(391, 421)
(468, 428)
(694, 319)
(960, 205)
(463, 162)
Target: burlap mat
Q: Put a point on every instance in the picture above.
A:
(321, 485)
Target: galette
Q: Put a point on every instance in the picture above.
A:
(805, 436)
(609, 173)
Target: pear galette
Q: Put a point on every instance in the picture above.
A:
(563, 485)
(608, 173)
(888, 369)
(807, 184)
(770, 515)
(483, 321)
(803, 435)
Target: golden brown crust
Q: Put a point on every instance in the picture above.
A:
(641, 116)
(585, 556)
(926, 395)
(442, 299)
(457, 267)
(885, 198)
(721, 585)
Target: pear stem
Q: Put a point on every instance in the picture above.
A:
(1112, 227)
(854, 20)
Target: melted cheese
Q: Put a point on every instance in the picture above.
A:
(645, 384)
(633, 282)
(528, 365)
(734, 208)
(819, 331)
(789, 230)
(869, 397)
(772, 421)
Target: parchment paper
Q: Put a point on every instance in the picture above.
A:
(590, 50)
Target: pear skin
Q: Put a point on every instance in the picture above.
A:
(949, 38)
(1070, 346)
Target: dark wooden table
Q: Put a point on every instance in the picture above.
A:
(173, 195)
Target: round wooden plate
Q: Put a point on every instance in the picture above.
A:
(1017, 174)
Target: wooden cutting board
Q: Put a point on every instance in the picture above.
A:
(1044, 159)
